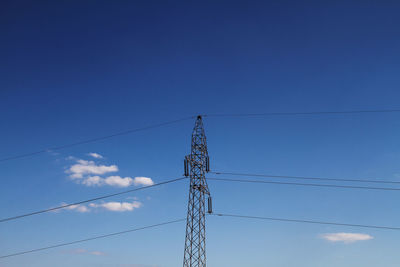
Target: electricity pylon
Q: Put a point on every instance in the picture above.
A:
(198, 163)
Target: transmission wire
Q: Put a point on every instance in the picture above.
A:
(89, 239)
(307, 178)
(88, 200)
(305, 221)
(93, 140)
(304, 184)
(300, 113)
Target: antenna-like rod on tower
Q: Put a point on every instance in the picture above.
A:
(196, 165)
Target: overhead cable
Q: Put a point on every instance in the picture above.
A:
(301, 113)
(306, 221)
(89, 239)
(303, 184)
(89, 200)
(92, 140)
(307, 178)
(95, 139)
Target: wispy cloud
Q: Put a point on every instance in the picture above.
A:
(85, 251)
(95, 155)
(97, 253)
(346, 237)
(78, 208)
(83, 167)
(109, 206)
(51, 152)
(117, 181)
(118, 206)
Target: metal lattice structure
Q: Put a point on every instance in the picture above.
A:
(198, 161)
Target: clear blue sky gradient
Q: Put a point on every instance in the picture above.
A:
(73, 70)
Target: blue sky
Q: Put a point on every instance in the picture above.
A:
(74, 70)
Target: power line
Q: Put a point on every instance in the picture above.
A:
(306, 221)
(300, 113)
(304, 184)
(89, 239)
(308, 178)
(89, 200)
(93, 139)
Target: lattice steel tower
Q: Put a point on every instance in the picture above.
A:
(198, 163)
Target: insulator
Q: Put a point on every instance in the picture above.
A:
(186, 167)
(209, 205)
(208, 164)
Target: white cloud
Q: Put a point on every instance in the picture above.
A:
(93, 181)
(95, 155)
(118, 181)
(143, 181)
(78, 208)
(87, 172)
(110, 206)
(118, 206)
(346, 237)
(83, 167)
